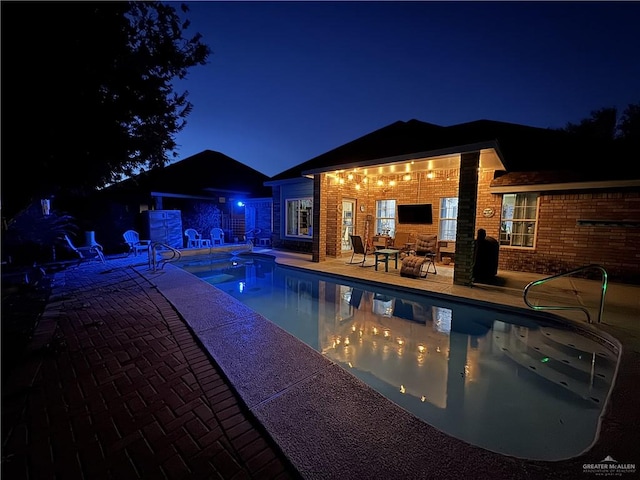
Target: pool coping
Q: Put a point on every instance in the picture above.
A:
(326, 421)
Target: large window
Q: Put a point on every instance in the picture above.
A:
(448, 218)
(299, 217)
(518, 223)
(386, 217)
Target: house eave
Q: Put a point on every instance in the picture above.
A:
(484, 147)
(548, 187)
(192, 197)
(285, 181)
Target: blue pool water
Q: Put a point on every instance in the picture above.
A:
(520, 384)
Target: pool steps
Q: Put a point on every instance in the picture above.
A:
(546, 354)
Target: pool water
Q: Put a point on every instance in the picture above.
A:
(520, 384)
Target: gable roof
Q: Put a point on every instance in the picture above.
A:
(201, 174)
(520, 147)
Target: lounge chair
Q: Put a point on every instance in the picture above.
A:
(427, 246)
(217, 236)
(132, 239)
(360, 249)
(195, 240)
(88, 252)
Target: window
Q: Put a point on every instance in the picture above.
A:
(386, 217)
(299, 217)
(448, 218)
(518, 223)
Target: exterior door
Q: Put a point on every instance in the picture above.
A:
(348, 222)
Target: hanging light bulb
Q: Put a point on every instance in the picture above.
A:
(350, 176)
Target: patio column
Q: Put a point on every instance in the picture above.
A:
(319, 241)
(467, 205)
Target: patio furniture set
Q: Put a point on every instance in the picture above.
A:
(416, 257)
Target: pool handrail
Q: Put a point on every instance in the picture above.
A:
(154, 263)
(558, 307)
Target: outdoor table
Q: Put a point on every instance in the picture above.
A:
(383, 256)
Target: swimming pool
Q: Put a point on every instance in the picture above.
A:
(518, 384)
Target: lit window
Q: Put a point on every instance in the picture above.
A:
(299, 217)
(448, 218)
(386, 217)
(518, 223)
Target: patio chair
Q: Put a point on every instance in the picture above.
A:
(217, 236)
(405, 242)
(132, 239)
(195, 240)
(427, 246)
(360, 249)
(88, 252)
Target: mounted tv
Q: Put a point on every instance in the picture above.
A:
(417, 213)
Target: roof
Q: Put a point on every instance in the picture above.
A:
(399, 138)
(522, 148)
(554, 180)
(200, 175)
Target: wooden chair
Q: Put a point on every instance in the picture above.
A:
(132, 239)
(405, 242)
(359, 249)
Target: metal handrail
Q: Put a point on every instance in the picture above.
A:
(156, 265)
(557, 307)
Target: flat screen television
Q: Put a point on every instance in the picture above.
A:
(418, 213)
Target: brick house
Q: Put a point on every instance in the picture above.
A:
(532, 189)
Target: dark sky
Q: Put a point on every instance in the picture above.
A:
(288, 81)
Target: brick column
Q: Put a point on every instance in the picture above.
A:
(319, 243)
(465, 232)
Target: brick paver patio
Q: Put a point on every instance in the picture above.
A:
(115, 386)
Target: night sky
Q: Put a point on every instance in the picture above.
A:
(287, 81)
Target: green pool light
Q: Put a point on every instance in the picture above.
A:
(545, 360)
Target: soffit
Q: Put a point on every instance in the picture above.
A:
(418, 162)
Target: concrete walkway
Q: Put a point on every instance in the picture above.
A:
(117, 385)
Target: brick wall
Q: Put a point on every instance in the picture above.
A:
(562, 244)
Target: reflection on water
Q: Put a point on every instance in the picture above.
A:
(517, 384)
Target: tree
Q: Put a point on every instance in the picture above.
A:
(629, 125)
(605, 125)
(87, 93)
(600, 126)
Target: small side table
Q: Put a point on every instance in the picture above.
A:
(383, 256)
